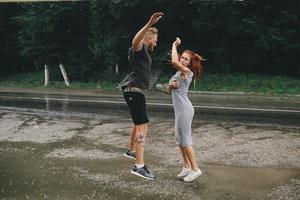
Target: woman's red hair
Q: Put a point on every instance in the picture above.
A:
(195, 64)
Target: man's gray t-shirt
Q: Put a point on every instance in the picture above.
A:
(140, 66)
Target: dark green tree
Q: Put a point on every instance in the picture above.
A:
(90, 37)
(53, 33)
(11, 61)
(249, 36)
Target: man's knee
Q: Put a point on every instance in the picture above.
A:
(142, 128)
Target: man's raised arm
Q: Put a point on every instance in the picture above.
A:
(137, 40)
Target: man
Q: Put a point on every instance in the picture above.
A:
(133, 86)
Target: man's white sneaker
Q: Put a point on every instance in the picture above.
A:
(192, 175)
(184, 172)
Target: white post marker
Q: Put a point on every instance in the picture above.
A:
(64, 73)
(46, 75)
(117, 68)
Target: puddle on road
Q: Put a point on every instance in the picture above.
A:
(225, 182)
(26, 173)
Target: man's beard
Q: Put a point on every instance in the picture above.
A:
(151, 48)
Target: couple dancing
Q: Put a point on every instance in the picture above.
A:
(188, 66)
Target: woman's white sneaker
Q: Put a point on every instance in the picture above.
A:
(192, 175)
(184, 172)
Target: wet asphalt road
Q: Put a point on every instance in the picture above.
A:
(68, 146)
(54, 155)
(277, 110)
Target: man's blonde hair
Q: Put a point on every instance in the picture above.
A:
(151, 32)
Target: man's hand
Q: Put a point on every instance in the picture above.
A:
(155, 18)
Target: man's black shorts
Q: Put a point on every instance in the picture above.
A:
(137, 107)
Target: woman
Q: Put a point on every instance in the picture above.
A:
(189, 68)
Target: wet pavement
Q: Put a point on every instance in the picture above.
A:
(253, 108)
(55, 155)
(73, 150)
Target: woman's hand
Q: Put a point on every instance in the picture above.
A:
(177, 42)
(174, 84)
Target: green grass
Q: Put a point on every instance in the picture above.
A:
(22, 80)
(36, 80)
(249, 83)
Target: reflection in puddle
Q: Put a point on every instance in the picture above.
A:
(52, 104)
(225, 182)
(26, 172)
